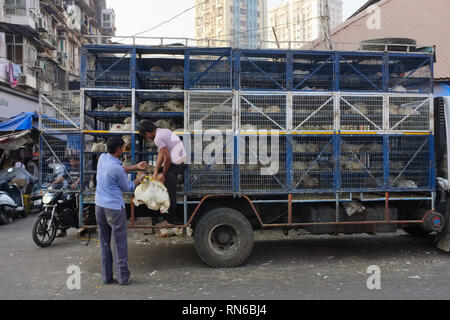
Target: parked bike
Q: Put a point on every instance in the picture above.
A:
(60, 211)
(11, 200)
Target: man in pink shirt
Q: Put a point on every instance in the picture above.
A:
(170, 163)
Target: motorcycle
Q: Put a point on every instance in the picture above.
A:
(11, 200)
(60, 211)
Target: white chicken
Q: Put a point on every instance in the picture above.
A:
(153, 194)
(273, 109)
(156, 69)
(311, 183)
(305, 147)
(166, 124)
(121, 127)
(174, 106)
(127, 120)
(148, 106)
(176, 69)
(249, 127)
(99, 147)
(355, 148)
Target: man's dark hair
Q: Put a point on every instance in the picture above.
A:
(146, 126)
(113, 143)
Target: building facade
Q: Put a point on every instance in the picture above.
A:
(301, 20)
(44, 38)
(241, 23)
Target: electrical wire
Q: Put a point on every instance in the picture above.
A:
(164, 22)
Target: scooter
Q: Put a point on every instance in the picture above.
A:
(11, 200)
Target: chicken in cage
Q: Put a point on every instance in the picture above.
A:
(148, 106)
(156, 69)
(178, 69)
(173, 106)
(99, 147)
(120, 127)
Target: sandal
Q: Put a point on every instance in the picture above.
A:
(61, 235)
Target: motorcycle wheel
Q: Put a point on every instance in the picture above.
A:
(41, 236)
(3, 218)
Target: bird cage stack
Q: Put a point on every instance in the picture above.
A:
(262, 122)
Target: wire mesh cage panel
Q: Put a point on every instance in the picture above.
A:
(312, 112)
(210, 111)
(312, 163)
(263, 112)
(361, 113)
(211, 164)
(409, 113)
(262, 163)
(60, 158)
(160, 71)
(361, 72)
(409, 162)
(262, 71)
(361, 163)
(107, 68)
(60, 110)
(104, 108)
(410, 73)
(209, 69)
(313, 71)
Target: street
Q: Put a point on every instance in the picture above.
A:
(280, 267)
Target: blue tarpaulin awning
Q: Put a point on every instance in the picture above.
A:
(23, 121)
(442, 89)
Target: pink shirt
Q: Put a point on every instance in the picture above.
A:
(166, 138)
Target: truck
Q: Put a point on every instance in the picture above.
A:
(326, 141)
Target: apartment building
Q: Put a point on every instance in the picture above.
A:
(44, 38)
(301, 20)
(242, 23)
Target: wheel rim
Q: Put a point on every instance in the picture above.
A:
(43, 233)
(224, 240)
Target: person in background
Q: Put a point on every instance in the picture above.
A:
(110, 211)
(72, 176)
(33, 168)
(19, 163)
(170, 163)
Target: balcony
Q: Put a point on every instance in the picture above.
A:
(21, 16)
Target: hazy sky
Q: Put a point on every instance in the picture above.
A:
(133, 16)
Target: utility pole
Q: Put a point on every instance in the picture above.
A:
(325, 20)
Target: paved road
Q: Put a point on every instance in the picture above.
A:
(293, 267)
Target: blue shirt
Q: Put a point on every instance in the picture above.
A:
(112, 180)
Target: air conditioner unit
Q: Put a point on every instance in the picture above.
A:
(108, 19)
(42, 25)
(22, 81)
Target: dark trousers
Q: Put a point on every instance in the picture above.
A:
(115, 222)
(171, 185)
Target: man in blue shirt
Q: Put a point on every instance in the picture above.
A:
(112, 180)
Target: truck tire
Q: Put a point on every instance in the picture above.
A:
(223, 238)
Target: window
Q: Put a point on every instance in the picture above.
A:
(14, 48)
(15, 7)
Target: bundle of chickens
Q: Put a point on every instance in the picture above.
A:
(153, 194)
